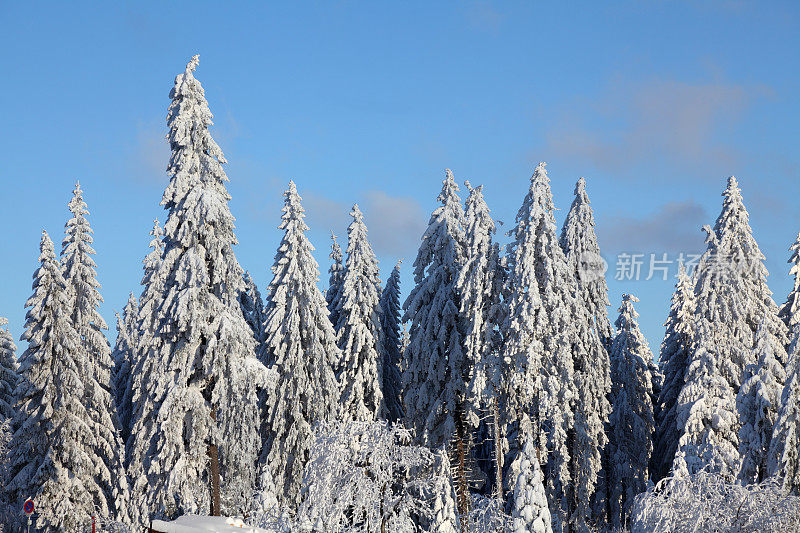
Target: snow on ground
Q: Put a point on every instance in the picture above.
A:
(203, 524)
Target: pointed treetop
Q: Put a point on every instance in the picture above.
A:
(356, 213)
(790, 312)
(3, 321)
(46, 246)
(449, 188)
(193, 63)
(580, 189)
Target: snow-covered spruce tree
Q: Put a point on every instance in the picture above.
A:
(51, 458)
(390, 325)
(124, 348)
(94, 354)
(676, 349)
(632, 423)
(579, 242)
(9, 372)
(252, 307)
(300, 344)
(784, 453)
(480, 285)
(436, 370)
(529, 501)
(732, 299)
(360, 369)
(552, 342)
(335, 280)
(758, 402)
(790, 312)
(706, 416)
(196, 417)
(147, 320)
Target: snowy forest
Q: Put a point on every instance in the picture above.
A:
(497, 394)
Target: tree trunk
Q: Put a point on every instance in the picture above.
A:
(213, 468)
(498, 452)
(462, 483)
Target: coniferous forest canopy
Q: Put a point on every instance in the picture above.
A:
(501, 391)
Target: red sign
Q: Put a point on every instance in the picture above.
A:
(28, 507)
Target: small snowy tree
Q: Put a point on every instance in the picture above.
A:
(676, 348)
(336, 271)
(784, 454)
(706, 414)
(360, 369)
(709, 502)
(94, 356)
(147, 320)
(9, 372)
(579, 242)
(368, 477)
(195, 436)
(300, 344)
(124, 348)
(52, 459)
(436, 371)
(632, 424)
(758, 402)
(529, 502)
(390, 325)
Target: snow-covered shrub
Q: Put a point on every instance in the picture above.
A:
(366, 476)
(486, 515)
(706, 502)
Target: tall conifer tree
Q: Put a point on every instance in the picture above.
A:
(196, 418)
(300, 345)
(360, 370)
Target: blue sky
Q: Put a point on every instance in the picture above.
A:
(655, 103)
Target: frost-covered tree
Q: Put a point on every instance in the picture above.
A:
(195, 436)
(300, 344)
(124, 348)
(335, 280)
(758, 402)
(147, 320)
(710, 502)
(94, 353)
(732, 299)
(676, 348)
(436, 370)
(53, 457)
(706, 412)
(360, 369)
(579, 242)
(784, 453)
(9, 372)
(252, 307)
(632, 423)
(790, 312)
(732, 281)
(480, 284)
(529, 501)
(390, 325)
(369, 477)
(553, 348)
(475, 280)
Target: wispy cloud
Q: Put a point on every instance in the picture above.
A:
(482, 15)
(673, 228)
(395, 223)
(664, 121)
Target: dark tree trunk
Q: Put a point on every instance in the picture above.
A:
(213, 470)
